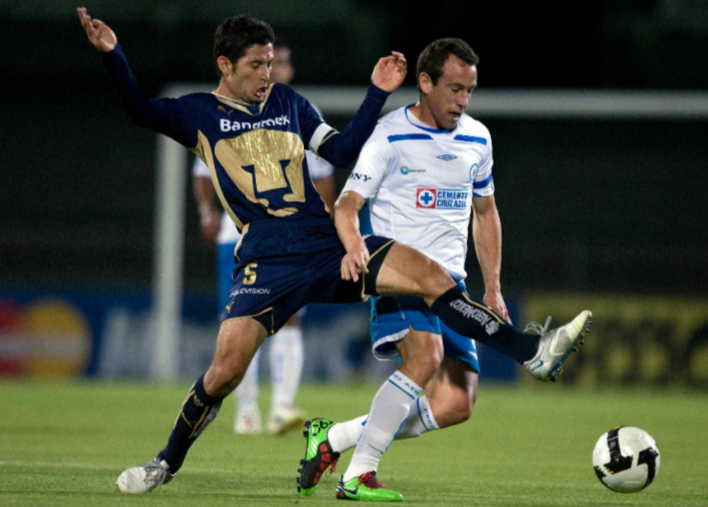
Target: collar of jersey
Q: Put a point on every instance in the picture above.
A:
(250, 109)
(427, 129)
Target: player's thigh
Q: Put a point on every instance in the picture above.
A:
(452, 392)
(405, 271)
(238, 341)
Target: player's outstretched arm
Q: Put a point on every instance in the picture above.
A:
(342, 149)
(346, 220)
(166, 116)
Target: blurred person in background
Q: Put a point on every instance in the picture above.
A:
(286, 346)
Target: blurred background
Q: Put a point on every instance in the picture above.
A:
(601, 207)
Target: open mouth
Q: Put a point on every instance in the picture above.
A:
(260, 92)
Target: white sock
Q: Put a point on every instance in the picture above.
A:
(345, 435)
(388, 412)
(286, 360)
(420, 420)
(247, 391)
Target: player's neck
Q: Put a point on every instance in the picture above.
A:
(424, 115)
(225, 91)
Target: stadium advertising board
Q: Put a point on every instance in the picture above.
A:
(635, 340)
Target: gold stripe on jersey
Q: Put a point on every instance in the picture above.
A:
(265, 99)
(329, 136)
(240, 240)
(203, 151)
(233, 104)
(240, 106)
(483, 307)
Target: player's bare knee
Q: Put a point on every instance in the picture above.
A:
(222, 379)
(421, 353)
(435, 281)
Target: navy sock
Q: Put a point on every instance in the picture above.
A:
(198, 410)
(476, 320)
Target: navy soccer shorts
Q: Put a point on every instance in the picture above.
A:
(283, 265)
(391, 318)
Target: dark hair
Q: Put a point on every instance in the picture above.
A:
(433, 58)
(235, 35)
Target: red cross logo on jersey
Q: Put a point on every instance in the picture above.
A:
(425, 198)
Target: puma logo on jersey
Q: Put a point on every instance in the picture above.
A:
(222, 108)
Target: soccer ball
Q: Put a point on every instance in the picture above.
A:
(626, 459)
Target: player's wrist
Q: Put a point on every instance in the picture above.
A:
(354, 244)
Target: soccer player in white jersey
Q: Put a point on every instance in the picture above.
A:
(420, 174)
(286, 346)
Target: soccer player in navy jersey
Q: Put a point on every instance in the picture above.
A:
(252, 136)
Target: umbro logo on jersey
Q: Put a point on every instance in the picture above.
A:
(446, 157)
(441, 198)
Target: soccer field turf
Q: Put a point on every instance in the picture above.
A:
(65, 444)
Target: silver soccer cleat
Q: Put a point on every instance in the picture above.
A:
(145, 478)
(556, 345)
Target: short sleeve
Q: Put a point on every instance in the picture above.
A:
(200, 169)
(483, 185)
(370, 169)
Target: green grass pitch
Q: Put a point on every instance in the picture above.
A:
(65, 444)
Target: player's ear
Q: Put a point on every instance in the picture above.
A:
(425, 83)
(225, 66)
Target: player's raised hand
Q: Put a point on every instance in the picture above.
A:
(390, 72)
(98, 33)
(355, 262)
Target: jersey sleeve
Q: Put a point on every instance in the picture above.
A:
(170, 117)
(370, 169)
(200, 169)
(341, 149)
(483, 185)
(312, 127)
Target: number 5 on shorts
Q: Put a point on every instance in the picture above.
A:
(250, 274)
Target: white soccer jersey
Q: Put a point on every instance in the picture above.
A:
(420, 182)
(228, 233)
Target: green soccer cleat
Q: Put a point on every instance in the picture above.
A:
(318, 456)
(366, 488)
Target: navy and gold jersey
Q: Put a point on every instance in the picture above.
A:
(256, 153)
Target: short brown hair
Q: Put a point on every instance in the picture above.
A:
(432, 59)
(235, 35)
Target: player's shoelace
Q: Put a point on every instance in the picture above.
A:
(538, 328)
(332, 467)
(370, 481)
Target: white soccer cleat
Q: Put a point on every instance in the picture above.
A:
(285, 418)
(247, 423)
(145, 478)
(556, 345)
